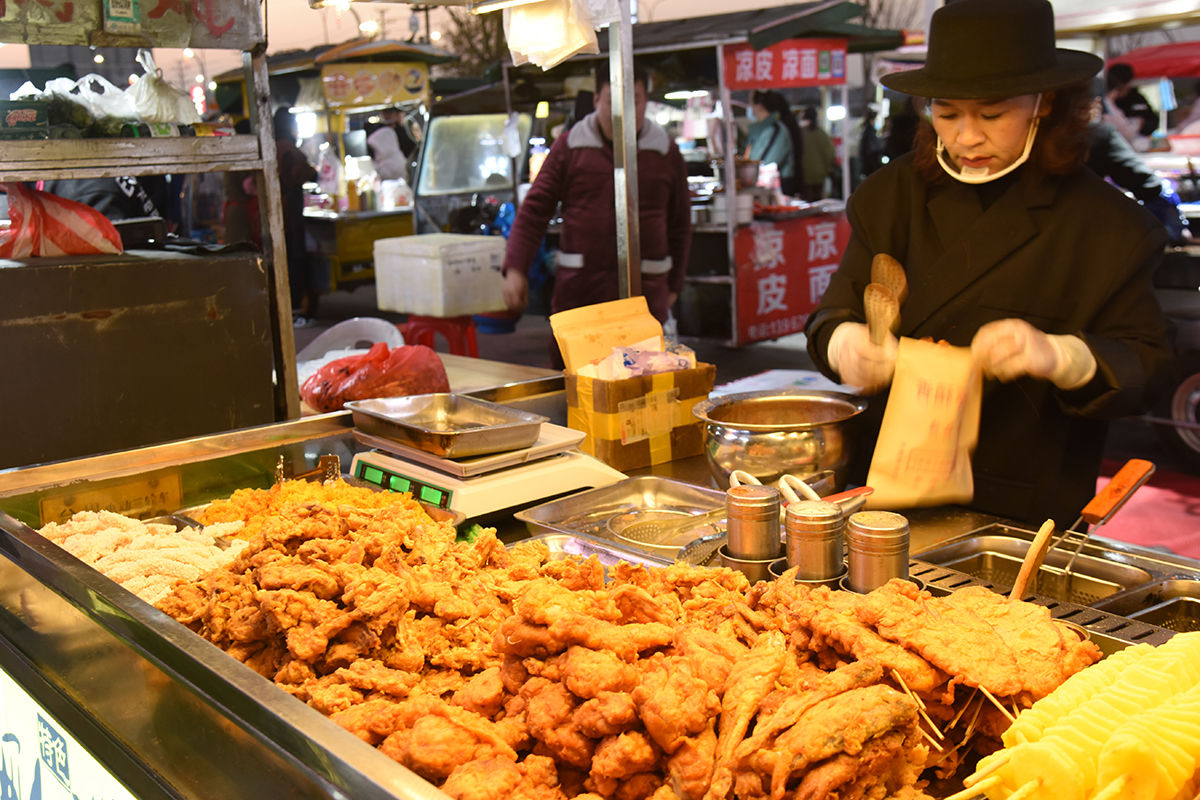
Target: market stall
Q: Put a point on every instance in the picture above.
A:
(358, 78)
(87, 652)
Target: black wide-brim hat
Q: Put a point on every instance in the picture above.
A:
(984, 49)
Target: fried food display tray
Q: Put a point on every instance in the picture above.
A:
(448, 425)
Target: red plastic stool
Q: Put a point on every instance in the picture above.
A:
(459, 333)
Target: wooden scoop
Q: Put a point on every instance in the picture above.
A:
(882, 310)
(887, 270)
(1032, 561)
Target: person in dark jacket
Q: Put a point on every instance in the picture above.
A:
(1013, 248)
(295, 171)
(578, 173)
(1129, 100)
(1111, 156)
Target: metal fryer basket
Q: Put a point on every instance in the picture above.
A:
(996, 559)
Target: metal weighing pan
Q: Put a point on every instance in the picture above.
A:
(448, 425)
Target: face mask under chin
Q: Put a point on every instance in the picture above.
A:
(978, 176)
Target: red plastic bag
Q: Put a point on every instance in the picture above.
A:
(44, 224)
(408, 369)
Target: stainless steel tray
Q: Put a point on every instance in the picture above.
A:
(449, 425)
(552, 439)
(588, 512)
(1173, 603)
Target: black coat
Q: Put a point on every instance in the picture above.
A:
(1070, 255)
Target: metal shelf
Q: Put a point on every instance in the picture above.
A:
(45, 159)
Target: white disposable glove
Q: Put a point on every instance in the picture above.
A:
(1006, 349)
(858, 362)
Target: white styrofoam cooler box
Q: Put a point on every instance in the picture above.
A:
(440, 274)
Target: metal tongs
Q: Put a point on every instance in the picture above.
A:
(1100, 509)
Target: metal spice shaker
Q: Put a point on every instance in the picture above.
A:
(878, 549)
(813, 531)
(752, 522)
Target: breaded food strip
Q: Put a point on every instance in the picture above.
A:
(147, 559)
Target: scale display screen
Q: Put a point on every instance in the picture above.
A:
(396, 482)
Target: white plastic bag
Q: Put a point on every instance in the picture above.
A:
(155, 100)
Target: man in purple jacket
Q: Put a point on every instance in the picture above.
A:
(578, 172)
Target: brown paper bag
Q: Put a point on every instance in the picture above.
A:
(930, 427)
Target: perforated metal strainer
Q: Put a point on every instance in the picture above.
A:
(661, 528)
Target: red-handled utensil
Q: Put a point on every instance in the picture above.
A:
(1108, 501)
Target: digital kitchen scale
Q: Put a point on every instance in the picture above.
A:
(551, 467)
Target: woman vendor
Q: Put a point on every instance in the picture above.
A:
(1011, 246)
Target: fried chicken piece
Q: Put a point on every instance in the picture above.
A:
(624, 755)
(984, 639)
(513, 673)
(588, 672)
(548, 718)
(833, 619)
(436, 744)
(802, 698)
(328, 698)
(838, 724)
(543, 602)
(673, 702)
(749, 682)
(308, 620)
(711, 654)
(348, 646)
(372, 720)
(624, 641)
(534, 778)
(380, 597)
(484, 779)
(296, 576)
(851, 777)
(635, 787)
(483, 694)
(638, 605)
(690, 767)
(606, 714)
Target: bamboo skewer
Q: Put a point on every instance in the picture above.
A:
(900, 680)
(975, 777)
(979, 788)
(920, 705)
(997, 704)
(931, 740)
(963, 710)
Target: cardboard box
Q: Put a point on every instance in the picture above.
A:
(440, 274)
(630, 422)
(24, 119)
(639, 422)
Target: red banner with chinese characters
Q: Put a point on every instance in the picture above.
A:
(790, 63)
(783, 269)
